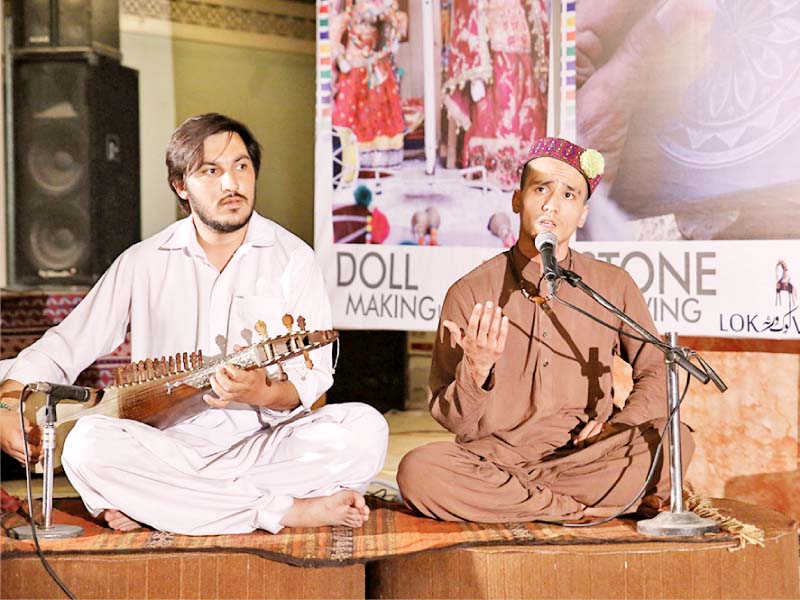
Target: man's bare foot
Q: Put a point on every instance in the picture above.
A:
(120, 521)
(650, 506)
(343, 508)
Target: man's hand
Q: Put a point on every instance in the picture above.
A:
(232, 384)
(594, 431)
(484, 340)
(11, 436)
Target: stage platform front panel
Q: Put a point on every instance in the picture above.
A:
(177, 576)
(623, 571)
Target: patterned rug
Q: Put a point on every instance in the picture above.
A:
(391, 531)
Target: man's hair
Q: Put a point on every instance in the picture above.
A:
(185, 147)
(523, 175)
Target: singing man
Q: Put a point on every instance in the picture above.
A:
(524, 381)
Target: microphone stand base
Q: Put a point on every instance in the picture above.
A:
(54, 532)
(677, 524)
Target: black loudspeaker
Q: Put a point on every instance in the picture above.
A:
(76, 166)
(371, 369)
(76, 24)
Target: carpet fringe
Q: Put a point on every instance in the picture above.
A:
(745, 532)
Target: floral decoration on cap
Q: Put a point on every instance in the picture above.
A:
(588, 162)
(592, 163)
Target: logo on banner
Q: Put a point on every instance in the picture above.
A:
(784, 284)
(783, 319)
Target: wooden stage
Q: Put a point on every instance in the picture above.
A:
(631, 570)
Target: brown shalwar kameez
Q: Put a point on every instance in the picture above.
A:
(513, 458)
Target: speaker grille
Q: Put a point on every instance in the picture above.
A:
(74, 17)
(75, 206)
(36, 24)
(73, 24)
(52, 151)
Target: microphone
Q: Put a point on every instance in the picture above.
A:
(56, 392)
(716, 379)
(545, 243)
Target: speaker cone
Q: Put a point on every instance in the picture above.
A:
(58, 236)
(57, 157)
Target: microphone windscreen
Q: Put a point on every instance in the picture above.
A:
(545, 238)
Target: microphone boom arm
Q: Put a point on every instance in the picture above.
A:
(671, 352)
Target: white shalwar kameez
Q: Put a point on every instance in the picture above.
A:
(228, 470)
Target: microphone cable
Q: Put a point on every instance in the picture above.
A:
(633, 336)
(23, 397)
(650, 473)
(670, 418)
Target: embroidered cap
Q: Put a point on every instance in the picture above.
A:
(588, 162)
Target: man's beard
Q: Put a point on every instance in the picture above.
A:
(219, 226)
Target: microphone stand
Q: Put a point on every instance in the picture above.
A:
(47, 531)
(676, 522)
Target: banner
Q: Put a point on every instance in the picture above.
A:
(689, 287)
(701, 150)
(425, 108)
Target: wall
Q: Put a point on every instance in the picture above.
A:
(273, 93)
(747, 437)
(151, 55)
(747, 443)
(252, 60)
